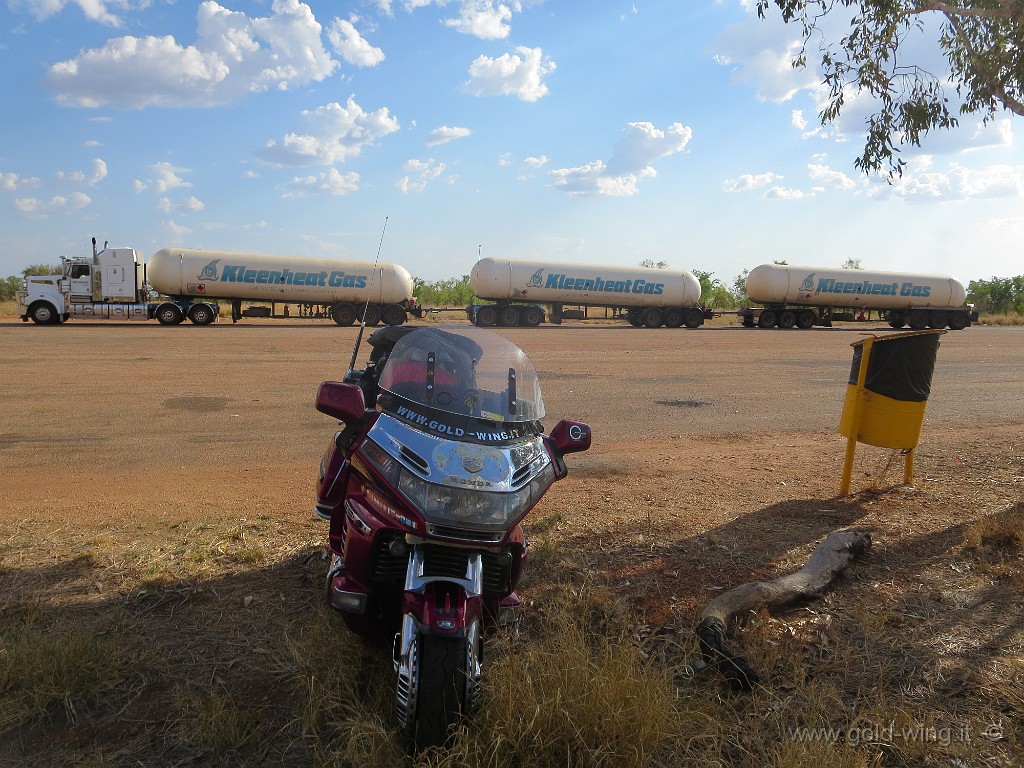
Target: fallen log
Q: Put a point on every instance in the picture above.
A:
(828, 560)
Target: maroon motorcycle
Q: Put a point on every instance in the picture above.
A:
(441, 457)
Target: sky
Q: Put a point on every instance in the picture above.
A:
(429, 133)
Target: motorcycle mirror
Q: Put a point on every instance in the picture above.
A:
(342, 401)
(570, 436)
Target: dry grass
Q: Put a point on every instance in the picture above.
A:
(189, 654)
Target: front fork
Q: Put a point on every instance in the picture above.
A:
(442, 606)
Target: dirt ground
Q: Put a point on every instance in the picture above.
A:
(718, 429)
(716, 455)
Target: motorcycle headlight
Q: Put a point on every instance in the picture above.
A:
(454, 506)
(471, 508)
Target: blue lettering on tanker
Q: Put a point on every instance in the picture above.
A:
(600, 285)
(240, 273)
(867, 288)
(209, 271)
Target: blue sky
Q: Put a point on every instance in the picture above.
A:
(598, 132)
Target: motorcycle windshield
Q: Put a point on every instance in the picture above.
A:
(459, 376)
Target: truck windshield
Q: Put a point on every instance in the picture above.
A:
(466, 372)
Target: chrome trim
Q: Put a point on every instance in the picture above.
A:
(407, 666)
(457, 463)
(472, 583)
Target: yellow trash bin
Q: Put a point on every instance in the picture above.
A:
(890, 380)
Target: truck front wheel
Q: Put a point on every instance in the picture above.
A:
(169, 314)
(44, 313)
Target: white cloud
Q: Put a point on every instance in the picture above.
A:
(330, 182)
(830, 177)
(56, 205)
(330, 134)
(783, 193)
(640, 145)
(520, 75)
(11, 182)
(191, 205)
(99, 172)
(94, 10)
(749, 181)
(419, 174)
(921, 181)
(233, 56)
(536, 162)
(352, 46)
(445, 134)
(483, 19)
(165, 178)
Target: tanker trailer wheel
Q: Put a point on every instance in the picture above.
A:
(169, 314)
(652, 318)
(344, 314)
(201, 314)
(958, 321)
(938, 320)
(694, 318)
(674, 317)
(394, 315)
(532, 317)
(918, 320)
(486, 316)
(508, 316)
(372, 316)
(767, 319)
(805, 319)
(896, 320)
(787, 318)
(43, 313)
(635, 318)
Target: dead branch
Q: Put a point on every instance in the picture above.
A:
(828, 560)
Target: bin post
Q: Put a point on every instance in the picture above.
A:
(851, 441)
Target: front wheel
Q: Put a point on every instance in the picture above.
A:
(44, 314)
(437, 686)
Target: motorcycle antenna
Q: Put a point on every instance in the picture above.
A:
(366, 306)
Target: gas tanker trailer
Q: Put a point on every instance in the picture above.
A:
(527, 293)
(347, 288)
(802, 297)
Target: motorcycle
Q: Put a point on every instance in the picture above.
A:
(441, 458)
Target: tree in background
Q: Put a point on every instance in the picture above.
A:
(998, 296)
(980, 39)
(852, 263)
(453, 292)
(739, 288)
(650, 264)
(9, 286)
